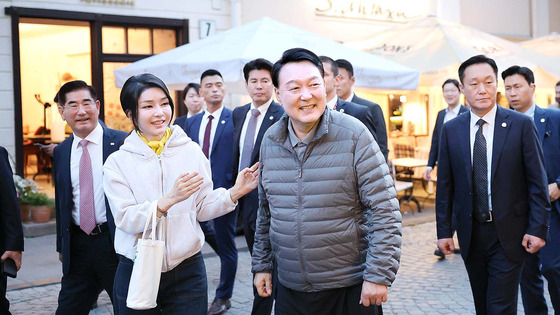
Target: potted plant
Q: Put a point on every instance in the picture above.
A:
(32, 201)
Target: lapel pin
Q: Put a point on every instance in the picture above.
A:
(542, 120)
(504, 125)
(112, 143)
(342, 110)
(223, 122)
(271, 117)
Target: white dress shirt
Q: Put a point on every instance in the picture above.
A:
(349, 99)
(204, 122)
(262, 109)
(531, 111)
(95, 150)
(488, 132)
(332, 103)
(451, 113)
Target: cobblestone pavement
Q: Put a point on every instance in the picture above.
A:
(424, 284)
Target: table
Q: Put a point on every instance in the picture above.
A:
(410, 163)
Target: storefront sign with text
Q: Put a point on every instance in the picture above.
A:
(362, 9)
(111, 2)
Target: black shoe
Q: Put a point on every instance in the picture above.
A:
(219, 306)
(439, 253)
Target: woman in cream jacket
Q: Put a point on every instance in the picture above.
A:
(159, 168)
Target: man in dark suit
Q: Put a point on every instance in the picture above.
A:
(344, 91)
(335, 103)
(193, 102)
(11, 234)
(491, 174)
(519, 85)
(250, 122)
(85, 226)
(452, 95)
(213, 131)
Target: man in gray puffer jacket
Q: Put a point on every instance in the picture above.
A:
(328, 213)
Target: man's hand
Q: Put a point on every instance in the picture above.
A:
(553, 192)
(532, 243)
(60, 257)
(428, 173)
(446, 245)
(16, 256)
(373, 293)
(263, 283)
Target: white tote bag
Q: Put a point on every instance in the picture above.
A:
(146, 272)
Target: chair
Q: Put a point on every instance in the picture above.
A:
(406, 186)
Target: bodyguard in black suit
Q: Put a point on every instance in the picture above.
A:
(451, 93)
(265, 112)
(344, 91)
(85, 247)
(11, 234)
(333, 102)
(213, 131)
(193, 102)
(519, 85)
(491, 174)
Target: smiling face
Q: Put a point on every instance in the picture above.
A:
(519, 92)
(451, 94)
(154, 113)
(259, 86)
(480, 88)
(301, 91)
(80, 111)
(212, 89)
(193, 101)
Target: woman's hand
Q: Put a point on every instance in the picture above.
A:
(185, 185)
(246, 181)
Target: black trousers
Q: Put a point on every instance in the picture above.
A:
(4, 303)
(493, 276)
(342, 301)
(93, 264)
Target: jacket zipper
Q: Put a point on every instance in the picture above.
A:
(300, 210)
(164, 219)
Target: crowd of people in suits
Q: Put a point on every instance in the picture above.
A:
(315, 249)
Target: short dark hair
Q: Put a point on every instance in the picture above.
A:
(209, 73)
(257, 64)
(557, 83)
(524, 71)
(453, 81)
(346, 65)
(189, 86)
(330, 61)
(476, 60)
(134, 87)
(72, 86)
(295, 55)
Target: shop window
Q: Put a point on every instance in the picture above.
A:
(114, 40)
(395, 113)
(139, 41)
(164, 40)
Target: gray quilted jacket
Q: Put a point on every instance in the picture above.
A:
(331, 220)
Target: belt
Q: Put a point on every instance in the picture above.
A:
(482, 217)
(98, 229)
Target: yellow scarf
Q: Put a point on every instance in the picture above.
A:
(157, 145)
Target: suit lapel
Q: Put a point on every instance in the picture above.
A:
(541, 120)
(195, 128)
(501, 129)
(239, 123)
(270, 117)
(110, 144)
(67, 153)
(220, 129)
(464, 133)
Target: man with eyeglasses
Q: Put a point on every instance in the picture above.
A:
(85, 226)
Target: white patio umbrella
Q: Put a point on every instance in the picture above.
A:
(229, 51)
(547, 45)
(437, 47)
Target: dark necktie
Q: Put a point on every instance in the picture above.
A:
(249, 140)
(206, 141)
(480, 175)
(87, 203)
